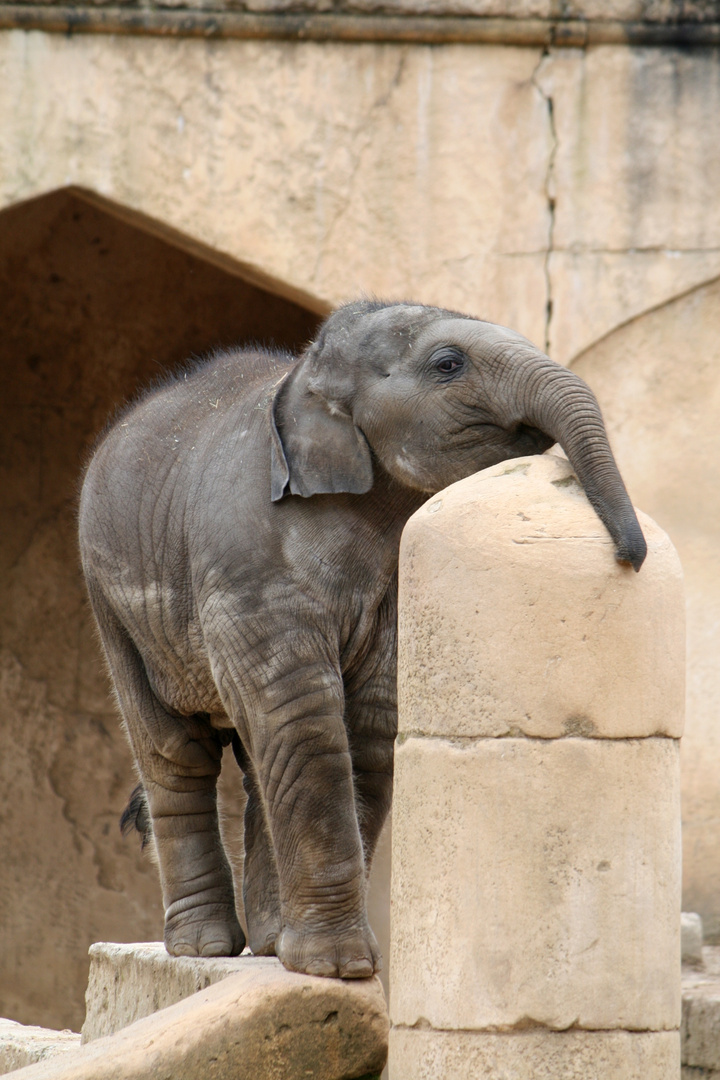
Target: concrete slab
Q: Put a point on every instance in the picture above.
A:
(23, 1044)
(128, 982)
(700, 1030)
(261, 1021)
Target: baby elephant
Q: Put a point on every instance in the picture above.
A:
(239, 529)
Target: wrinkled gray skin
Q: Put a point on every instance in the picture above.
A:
(239, 532)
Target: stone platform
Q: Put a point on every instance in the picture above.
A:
(138, 995)
(700, 1030)
(152, 1016)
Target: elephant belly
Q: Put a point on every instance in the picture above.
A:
(172, 647)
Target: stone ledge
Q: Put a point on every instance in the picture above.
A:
(129, 982)
(700, 1030)
(22, 1044)
(674, 13)
(410, 22)
(259, 1021)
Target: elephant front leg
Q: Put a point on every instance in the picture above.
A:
(303, 768)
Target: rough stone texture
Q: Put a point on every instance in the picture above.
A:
(700, 1028)
(128, 982)
(263, 1021)
(701, 1025)
(90, 308)
(488, 178)
(22, 1045)
(637, 216)
(541, 612)
(691, 938)
(662, 414)
(400, 157)
(650, 11)
(544, 875)
(534, 1055)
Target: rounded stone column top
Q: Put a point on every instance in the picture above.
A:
(516, 619)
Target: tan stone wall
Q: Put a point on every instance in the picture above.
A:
(658, 381)
(440, 172)
(563, 193)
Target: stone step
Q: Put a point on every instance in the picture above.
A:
(23, 1044)
(272, 1007)
(700, 1029)
(128, 982)
(153, 1016)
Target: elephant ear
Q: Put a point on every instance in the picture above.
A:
(316, 447)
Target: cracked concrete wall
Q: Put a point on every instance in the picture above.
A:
(90, 309)
(562, 193)
(336, 169)
(637, 212)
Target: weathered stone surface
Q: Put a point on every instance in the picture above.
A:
(534, 1055)
(629, 230)
(128, 982)
(513, 610)
(544, 875)
(400, 157)
(700, 1028)
(260, 1022)
(22, 1044)
(577, 203)
(612, 287)
(653, 12)
(691, 938)
(662, 412)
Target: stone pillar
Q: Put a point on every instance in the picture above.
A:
(535, 920)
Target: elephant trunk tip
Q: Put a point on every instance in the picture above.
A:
(631, 548)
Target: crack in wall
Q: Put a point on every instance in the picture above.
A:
(549, 188)
(363, 141)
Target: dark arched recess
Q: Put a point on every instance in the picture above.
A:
(94, 302)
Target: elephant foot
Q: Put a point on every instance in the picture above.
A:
(350, 955)
(262, 906)
(263, 935)
(208, 930)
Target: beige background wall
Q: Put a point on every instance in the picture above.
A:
(569, 193)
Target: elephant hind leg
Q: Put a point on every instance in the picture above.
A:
(261, 888)
(179, 761)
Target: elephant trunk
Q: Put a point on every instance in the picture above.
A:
(560, 404)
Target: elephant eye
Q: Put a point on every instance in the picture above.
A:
(448, 361)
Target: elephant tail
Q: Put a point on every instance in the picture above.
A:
(136, 815)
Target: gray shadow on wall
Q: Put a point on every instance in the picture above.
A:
(95, 301)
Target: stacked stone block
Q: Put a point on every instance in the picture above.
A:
(536, 824)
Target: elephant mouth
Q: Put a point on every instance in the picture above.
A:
(531, 440)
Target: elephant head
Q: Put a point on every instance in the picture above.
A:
(432, 396)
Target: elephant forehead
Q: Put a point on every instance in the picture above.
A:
(472, 334)
(394, 328)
